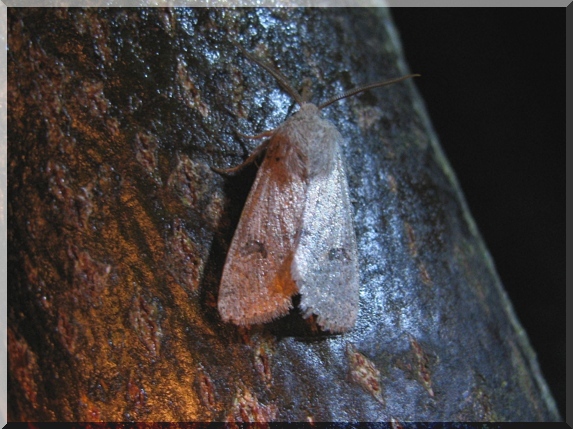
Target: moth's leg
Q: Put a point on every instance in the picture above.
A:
(268, 133)
(256, 153)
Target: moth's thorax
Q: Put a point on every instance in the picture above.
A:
(315, 139)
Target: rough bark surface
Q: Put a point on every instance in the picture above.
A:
(118, 229)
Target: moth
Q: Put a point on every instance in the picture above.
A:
(296, 232)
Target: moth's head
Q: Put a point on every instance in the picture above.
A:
(309, 108)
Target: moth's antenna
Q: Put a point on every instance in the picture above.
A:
(365, 88)
(276, 74)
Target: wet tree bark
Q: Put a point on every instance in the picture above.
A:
(118, 229)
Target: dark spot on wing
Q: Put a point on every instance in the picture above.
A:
(254, 246)
(338, 254)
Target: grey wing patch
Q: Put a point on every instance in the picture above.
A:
(325, 264)
(256, 285)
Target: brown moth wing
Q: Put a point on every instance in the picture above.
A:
(257, 285)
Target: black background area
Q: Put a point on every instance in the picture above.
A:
(493, 80)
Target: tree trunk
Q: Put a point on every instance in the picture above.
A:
(118, 229)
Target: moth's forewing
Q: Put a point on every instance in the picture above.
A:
(257, 286)
(325, 265)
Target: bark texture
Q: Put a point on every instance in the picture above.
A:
(118, 229)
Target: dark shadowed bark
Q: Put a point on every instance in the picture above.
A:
(118, 229)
